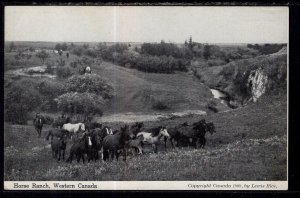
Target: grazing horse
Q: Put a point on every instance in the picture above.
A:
(210, 127)
(73, 129)
(56, 133)
(58, 146)
(107, 130)
(116, 142)
(153, 139)
(80, 147)
(135, 145)
(98, 135)
(190, 133)
(194, 133)
(174, 134)
(93, 146)
(38, 124)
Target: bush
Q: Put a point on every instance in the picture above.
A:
(80, 103)
(160, 105)
(48, 120)
(49, 90)
(49, 67)
(212, 105)
(91, 83)
(78, 51)
(20, 98)
(64, 72)
(91, 53)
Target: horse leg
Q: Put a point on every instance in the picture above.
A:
(78, 157)
(165, 140)
(53, 153)
(59, 154)
(64, 150)
(171, 140)
(154, 148)
(112, 154)
(70, 158)
(104, 155)
(117, 154)
(140, 149)
(82, 155)
(125, 154)
(204, 142)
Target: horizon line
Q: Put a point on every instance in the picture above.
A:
(145, 42)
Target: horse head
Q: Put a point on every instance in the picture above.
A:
(82, 126)
(108, 131)
(89, 139)
(163, 131)
(125, 130)
(210, 127)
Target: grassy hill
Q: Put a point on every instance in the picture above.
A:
(137, 91)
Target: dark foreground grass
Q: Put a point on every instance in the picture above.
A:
(250, 144)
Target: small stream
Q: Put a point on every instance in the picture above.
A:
(224, 98)
(220, 95)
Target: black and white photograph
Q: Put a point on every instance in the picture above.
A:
(146, 97)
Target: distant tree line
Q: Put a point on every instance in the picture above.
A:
(266, 48)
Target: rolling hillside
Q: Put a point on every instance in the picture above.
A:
(137, 91)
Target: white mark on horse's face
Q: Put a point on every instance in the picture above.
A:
(40, 120)
(107, 132)
(90, 142)
(82, 127)
(111, 132)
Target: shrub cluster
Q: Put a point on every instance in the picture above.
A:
(64, 72)
(91, 83)
(80, 103)
(160, 105)
(20, 98)
(266, 48)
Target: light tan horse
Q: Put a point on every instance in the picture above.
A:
(149, 138)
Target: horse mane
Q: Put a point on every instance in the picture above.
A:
(155, 131)
(185, 124)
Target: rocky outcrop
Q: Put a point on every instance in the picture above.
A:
(257, 83)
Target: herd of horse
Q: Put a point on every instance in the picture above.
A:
(91, 138)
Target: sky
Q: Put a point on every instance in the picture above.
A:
(146, 24)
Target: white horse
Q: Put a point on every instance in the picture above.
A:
(73, 129)
(87, 70)
(149, 138)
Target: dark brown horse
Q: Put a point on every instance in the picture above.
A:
(210, 127)
(191, 133)
(58, 146)
(174, 134)
(38, 123)
(59, 133)
(80, 147)
(112, 144)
